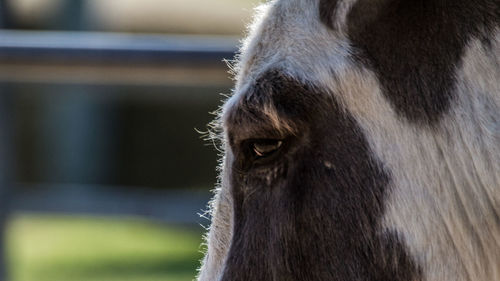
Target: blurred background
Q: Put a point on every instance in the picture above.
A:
(102, 172)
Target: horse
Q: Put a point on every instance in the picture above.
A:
(361, 142)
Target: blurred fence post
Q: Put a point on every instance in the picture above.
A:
(73, 15)
(76, 136)
(5, 155)
(6, 169)
(3, 12)
(5, 16)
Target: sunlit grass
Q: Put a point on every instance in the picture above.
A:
(53, 248)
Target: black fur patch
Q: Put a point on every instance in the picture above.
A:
(414, 47)
(313, 212)
(327, 10)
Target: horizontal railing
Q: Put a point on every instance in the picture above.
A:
(118, 47)
(179, 206)
(114, 58)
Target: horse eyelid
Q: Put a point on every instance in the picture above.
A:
(262, 148)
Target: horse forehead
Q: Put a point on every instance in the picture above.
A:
(291, 36)
(288, 37)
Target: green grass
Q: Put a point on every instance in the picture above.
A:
(66, 248)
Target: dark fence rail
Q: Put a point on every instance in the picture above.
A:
(171, 206)
(113, 47)
(111, 58)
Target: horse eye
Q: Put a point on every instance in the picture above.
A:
(265, 147)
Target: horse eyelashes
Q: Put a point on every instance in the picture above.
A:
(265, 147)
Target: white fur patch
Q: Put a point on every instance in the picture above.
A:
(445, 198)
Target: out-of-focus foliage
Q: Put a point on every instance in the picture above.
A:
(63, 248)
